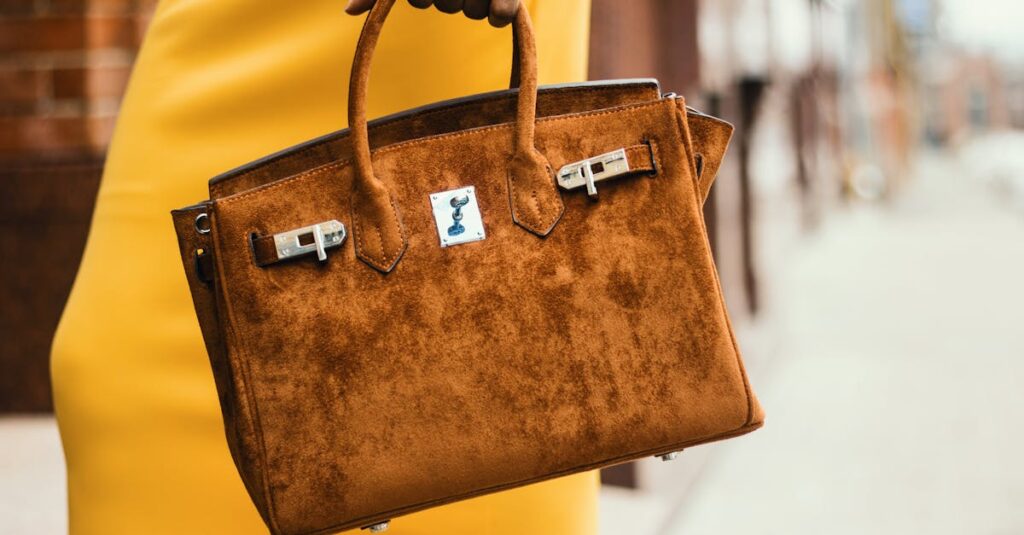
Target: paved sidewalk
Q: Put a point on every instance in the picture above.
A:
(894, 403)
(32, 484)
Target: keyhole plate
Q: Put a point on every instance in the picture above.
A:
(472, 223)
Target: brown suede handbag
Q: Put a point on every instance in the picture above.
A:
(465, 298)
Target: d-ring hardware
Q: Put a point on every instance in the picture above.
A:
(202, 223)
(305, 240)
(592, 170)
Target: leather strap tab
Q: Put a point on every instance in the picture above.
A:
(377, 229)
(533, 194)
(643, 158)
(534, 197)
(264, 251)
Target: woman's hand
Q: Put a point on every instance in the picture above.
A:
(498, 12)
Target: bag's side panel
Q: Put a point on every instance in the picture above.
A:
(197, 256)
(710, 137)
(489, 365)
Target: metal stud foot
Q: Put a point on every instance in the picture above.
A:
(379, 527)
(671, 456)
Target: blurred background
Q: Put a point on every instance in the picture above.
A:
(868, 225)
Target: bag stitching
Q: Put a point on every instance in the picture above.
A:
(305, 175)
(218, 187)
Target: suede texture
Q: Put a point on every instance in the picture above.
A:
(239, 421)
(710, 135)
(399, 375)
(439, 118)
(710, 140)
(641, 160)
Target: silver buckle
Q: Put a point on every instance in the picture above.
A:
(592, 170)
(318, 237)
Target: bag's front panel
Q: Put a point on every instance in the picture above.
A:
(486, 364)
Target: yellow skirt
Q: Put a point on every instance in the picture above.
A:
(218, 84)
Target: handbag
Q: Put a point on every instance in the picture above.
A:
(465, 298)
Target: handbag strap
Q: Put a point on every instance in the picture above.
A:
(536, 205)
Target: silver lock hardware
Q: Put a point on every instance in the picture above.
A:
(319, 238)
(593, 170)
(457, 203)
(457, 216)
(379, 527)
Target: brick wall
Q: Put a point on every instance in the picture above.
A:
(63, 68)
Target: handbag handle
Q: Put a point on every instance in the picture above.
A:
(536, 205)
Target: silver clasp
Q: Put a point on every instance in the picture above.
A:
(318, 237)
(592, 170)
(457, 216)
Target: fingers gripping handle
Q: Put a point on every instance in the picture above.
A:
(380, 238)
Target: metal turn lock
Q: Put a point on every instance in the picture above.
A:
(593, 170)
(457, 203)
(314, 238)
(457, 216)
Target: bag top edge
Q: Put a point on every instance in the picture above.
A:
(245, 168)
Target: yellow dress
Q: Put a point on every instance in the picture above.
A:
(218, 84)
